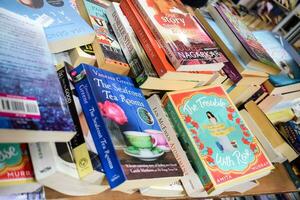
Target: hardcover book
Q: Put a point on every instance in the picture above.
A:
(251, 51)
(156, 54)
(132, 148)
(223, 151)
(186, 43)
(16, 172)
(64, 28)
(107, 49)
(290, 130)
(27, 76)
(288, 79)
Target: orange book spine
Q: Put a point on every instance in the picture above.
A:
(148, 41)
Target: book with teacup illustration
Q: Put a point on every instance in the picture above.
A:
(127, 136)
(223, 151)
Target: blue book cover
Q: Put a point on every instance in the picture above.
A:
(126, 134)
(277, 47)
(64, 28)
(31, 98)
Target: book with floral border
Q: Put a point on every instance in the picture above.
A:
(186, 43)
(251, 51)
(223, 151)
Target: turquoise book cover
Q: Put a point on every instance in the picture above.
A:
(226, 147)
(60, 20)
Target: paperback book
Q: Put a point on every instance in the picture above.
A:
(223, 151)
(288, 79)
(133, 150)
(250, 50)
(107, 49)
(83, 54)
(184, 40)
(27, 76)
(64, 28)
(16, 172)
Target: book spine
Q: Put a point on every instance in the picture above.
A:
(188, 146)
(132, 50)
(146, 38)
(190, 183)
(109, 160)
(79, 148)
(293, 176)
(176, 62)
(42, 160)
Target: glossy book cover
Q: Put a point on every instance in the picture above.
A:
(104, 32)
(58, 17)
(15, 164)
(181, 33)
(277, 47)
(245, 36)
(127, 135)
(227, 149)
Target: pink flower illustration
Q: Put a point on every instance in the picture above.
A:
(113, 111)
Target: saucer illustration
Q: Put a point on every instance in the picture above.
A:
(164, 148)
(144, 154)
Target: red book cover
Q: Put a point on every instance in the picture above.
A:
(185, 42)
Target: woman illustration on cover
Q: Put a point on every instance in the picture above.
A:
(223, 143)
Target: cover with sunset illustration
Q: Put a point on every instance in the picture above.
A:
(222, 149)
(127, 136)
(187, 45)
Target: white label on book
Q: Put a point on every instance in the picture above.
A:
(18, 106)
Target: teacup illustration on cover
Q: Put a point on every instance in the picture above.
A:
(143, 145)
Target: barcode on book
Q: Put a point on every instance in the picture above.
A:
(16, 106)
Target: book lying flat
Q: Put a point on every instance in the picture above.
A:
(27, 76)
(251, 51)
(184, 40)
(222, 149)
(64, 28)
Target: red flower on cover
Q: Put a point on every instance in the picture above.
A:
(230, 109)
(210, 159)
(252, 147)
(196, 139)
(246, 134)
(229, 116)
(238, 120)
(209, 151)
(245, 141)
(243, 127)
(201, 146)
(113, 111)
(193, 131)
(187, 119)
(195, 124)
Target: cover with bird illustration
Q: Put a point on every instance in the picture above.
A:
(219, 143)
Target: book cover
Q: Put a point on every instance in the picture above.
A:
(64, 28)
(38, 194)
(156, 54)
(106, 40)
(290, 130)
(222, 148)
(125, 132)
(245, 36)
(276, 47)
(15, 165)
(27, 77)
(186, 43)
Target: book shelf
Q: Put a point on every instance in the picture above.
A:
(276, 182)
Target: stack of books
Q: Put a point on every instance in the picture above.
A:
(144, 96)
